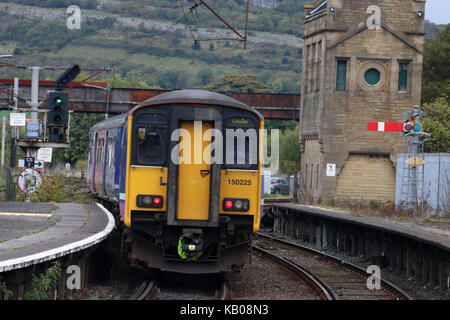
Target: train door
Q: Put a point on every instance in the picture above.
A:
(91, 161)
(194, 170)
(99, 162)
(109, 172)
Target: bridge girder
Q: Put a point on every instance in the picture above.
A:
(97, 98)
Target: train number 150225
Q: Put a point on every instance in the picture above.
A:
(240, 182)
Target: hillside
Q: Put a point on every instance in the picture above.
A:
(148, 43)
(141, 41)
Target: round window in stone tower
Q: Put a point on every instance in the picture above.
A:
(372, 77)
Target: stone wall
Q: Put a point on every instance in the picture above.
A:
(369, 35)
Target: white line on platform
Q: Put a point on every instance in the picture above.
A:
(61, 251)
(26, 214)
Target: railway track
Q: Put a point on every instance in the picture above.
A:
(322, 291)
(170, 287)
(144, 290)
(337, 278)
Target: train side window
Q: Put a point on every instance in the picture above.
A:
(100, 147)
(111, 150)
(151, 144)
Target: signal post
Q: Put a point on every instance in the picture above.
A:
(53, 131)
(412, 130)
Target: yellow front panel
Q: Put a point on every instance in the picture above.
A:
(242, 185)
(146, 180)
(193, 187)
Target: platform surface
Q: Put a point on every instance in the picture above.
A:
(433, 236)
(36, 232)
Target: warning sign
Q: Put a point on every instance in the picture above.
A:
(29, 180)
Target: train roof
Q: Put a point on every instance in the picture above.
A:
(112, 122)
(190, 96)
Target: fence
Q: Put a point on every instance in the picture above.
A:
(434, 186)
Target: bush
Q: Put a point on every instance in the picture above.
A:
(42, 287)
(51, 190)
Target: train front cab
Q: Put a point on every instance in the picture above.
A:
(194, 217)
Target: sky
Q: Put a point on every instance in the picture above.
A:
(438, 11)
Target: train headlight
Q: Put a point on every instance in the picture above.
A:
(230, 204)
(149, 201)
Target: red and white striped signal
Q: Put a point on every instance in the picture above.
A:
(385, 126)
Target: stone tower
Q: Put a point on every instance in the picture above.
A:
(362, 62)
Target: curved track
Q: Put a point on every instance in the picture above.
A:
(321, 289)
(144, 290)
(343, 280)
(148, 290)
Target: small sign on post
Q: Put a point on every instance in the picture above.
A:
(29, 162)
(38, 164)
(331, 169)
(415, 161)
(45, 154)
(17, 119)
(29, 180)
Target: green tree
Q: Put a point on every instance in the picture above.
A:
(437, 123)
(132, 80)
(205, 76)
(80, 123)
(196, 46)
(238, 83)
(277, 85)
(289, 151)
(436, 67)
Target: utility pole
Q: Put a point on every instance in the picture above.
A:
(3, 141)
(34, 103)
(11, 184)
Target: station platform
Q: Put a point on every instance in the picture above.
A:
(438, 237)
(32, 233)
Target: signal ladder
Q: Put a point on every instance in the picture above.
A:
(413, 176)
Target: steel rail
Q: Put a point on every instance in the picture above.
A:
(144, 290)
(320, 288)
(225, 293)
(387, 285)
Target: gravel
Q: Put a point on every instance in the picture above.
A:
(265, 280)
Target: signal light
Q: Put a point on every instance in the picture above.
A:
(417, 127)
(407, 127)
(411, 125)
(149, 201)
(58, 109)
(231, 204)
(57, 115)
(68, 75)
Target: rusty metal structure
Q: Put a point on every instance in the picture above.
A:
(96, 97)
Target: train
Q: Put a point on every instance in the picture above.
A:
(182, 173)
